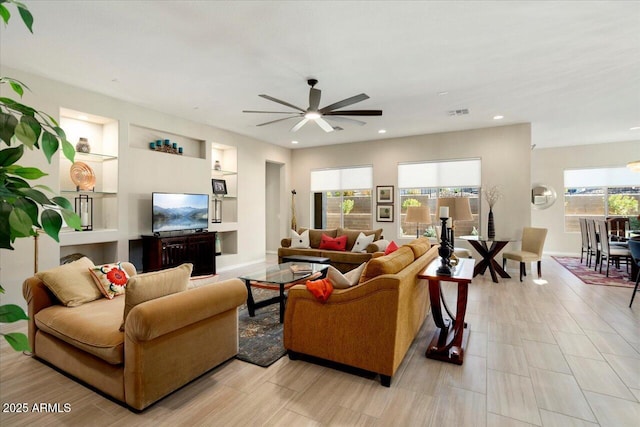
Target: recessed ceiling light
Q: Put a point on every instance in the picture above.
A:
(444, 92)
(498, 117)
(294, 142)
(635, 128)
(83, 117)
(382, 131)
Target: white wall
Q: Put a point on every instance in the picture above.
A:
(142, 171)
(547, 167)
(505, 152)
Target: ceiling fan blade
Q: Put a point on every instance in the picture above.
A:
(275, 121)
(354, 113)
(345, 103)
(299, 125)
(270, 112)
(344, 119)
(279, 101)
(314, 99)
(324, 125)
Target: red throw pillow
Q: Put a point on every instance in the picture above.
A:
(391, 247)
(334, 244)
(321, 289)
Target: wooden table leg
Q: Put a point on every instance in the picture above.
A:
(251, 305)
(450, 337)
(488, 255)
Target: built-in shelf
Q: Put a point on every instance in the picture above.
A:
(72, 237)
(89, 192)
(94, 157)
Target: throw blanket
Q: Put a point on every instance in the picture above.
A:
(321, 289)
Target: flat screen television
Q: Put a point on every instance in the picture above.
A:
(177, 212)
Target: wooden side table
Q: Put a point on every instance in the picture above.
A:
(451, 336)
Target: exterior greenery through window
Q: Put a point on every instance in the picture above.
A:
(599, 194)
(346, 197)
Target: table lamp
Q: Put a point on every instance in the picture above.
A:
(419, 215)
(458, 209)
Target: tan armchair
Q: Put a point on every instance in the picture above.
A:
(531, 251)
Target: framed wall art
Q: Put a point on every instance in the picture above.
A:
(384, 213)
(384, 194)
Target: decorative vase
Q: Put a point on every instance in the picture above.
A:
(491, 228)
(294, 222)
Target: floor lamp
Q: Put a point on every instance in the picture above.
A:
(419, 215)
(459, 210)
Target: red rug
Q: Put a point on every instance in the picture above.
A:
(591, 277)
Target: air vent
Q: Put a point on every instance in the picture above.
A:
(461, 112)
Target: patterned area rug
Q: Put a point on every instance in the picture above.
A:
(617, 277)
(261, 336)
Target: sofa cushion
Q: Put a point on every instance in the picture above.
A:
(387, 264)
(420, 246)
(315, 235)
(71, 283)
(362, 242)
(299, 241)
(333, 243)
(346, 280)
(352, 235)
(91, 327)
(111, 279)
(148, 286)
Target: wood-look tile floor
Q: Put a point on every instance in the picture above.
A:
(550, 353)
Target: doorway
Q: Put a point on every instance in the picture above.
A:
(273, 197)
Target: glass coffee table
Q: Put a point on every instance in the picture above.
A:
(280, 278)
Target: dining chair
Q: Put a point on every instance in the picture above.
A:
(608, 252)
(531, 250)
(618, 227)
(585, 240)
(634, 247)
(594, 246)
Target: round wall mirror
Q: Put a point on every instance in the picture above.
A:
(542, 196)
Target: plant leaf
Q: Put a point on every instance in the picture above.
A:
(71, 218)
(30, 173)
(44, 187)
(9, 156)
(4, 13)
(8, 125)
(17, 88)
(33, 124)
(18, 341)
(68, 150)
(36, 196)
(27, 18)
(20, 223)
(30, 207)
(49, 145)
(62, 202)
(25, 134)
(5, 229)
(10, 313)
(51, 223)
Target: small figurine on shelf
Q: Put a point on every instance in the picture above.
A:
(217, 166)
(83, 146)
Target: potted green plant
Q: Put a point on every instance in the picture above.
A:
(26, 209)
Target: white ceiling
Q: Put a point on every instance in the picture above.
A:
(570, 68)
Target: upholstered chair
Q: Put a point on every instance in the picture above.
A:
(609, 252)
(531, 250)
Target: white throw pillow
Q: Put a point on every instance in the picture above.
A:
(299, 241)
(362, 242)
(346, 280)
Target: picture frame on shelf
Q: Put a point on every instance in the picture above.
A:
(219, 186)
(384, 194)
(384, 213)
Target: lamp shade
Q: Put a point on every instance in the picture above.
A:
(419, 214)
(634, 166)
(459, 207)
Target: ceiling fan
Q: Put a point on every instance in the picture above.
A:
(320, 115)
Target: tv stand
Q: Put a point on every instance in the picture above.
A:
(160, 252)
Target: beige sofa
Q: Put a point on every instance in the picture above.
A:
(342, 260)
(368, 326)
(166, 342)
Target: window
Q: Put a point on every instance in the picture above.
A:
(421, 184)
(600, 193)
(343, 197)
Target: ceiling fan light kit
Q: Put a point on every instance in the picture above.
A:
(319, 115)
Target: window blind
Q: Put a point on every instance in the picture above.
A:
(352, 178)
(451, 173)
(600, 177)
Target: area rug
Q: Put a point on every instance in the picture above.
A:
(617, 277)
(261, 336)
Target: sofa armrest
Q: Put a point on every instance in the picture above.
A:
(38, 297)
(161, 316)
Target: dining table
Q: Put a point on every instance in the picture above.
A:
(489, 248)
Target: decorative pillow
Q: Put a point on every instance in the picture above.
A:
(362, 242)
(147, 286)
(346, 280)
(335, 244)
(299, 241)
(391, 247)
(321, 289)
(111, 279)
(71, 283)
